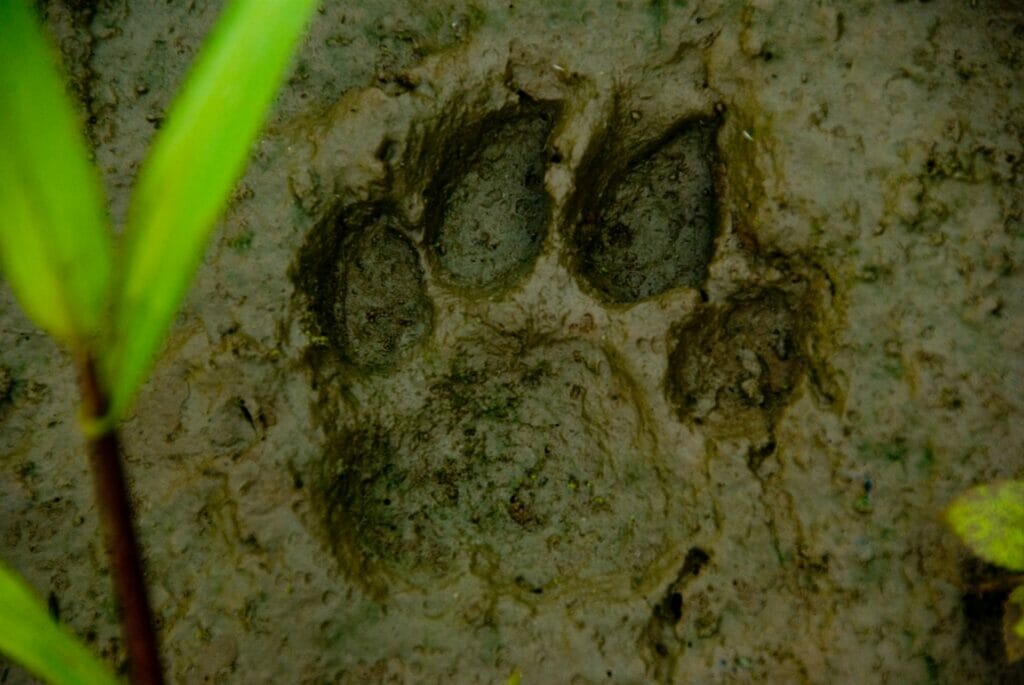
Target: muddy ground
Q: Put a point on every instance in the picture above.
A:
(611, 342)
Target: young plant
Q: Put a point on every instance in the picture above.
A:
(109, 304)
(990, 520)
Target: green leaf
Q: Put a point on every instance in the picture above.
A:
(54, 238)
(1013, 625)
(990, 520)
(43, 647)
(185, 182)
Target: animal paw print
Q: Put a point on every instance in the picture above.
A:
(477, 421)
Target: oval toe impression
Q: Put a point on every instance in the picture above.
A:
(488, 209)
(653, 228)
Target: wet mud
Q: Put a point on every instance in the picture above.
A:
(630, 344)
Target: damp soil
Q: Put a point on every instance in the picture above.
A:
(603, 343)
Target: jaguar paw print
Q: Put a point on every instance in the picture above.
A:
(477, 311)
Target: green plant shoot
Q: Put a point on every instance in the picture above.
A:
(185, 182)
(990, 520)
(1013, 624)
(54, 239)
(56, 245)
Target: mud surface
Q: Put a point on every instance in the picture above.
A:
(622, 343)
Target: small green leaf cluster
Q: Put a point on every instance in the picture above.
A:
(990, 520)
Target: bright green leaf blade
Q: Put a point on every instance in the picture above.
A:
(54, 240)
(990, 520)
(33, 639)
(185, 182)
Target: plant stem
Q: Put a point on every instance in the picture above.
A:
(1003, 584)
(119, 532)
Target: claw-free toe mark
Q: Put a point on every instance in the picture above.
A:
(488, 211)
(381, 308)
(364, 287)
(653, 229)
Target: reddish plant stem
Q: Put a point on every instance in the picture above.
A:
(119, 532)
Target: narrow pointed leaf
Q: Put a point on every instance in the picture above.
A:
(54, 238)
(990, 520)
(29, 636)
(185, 182)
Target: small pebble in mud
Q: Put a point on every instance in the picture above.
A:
(654, 229)
(489, 212)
